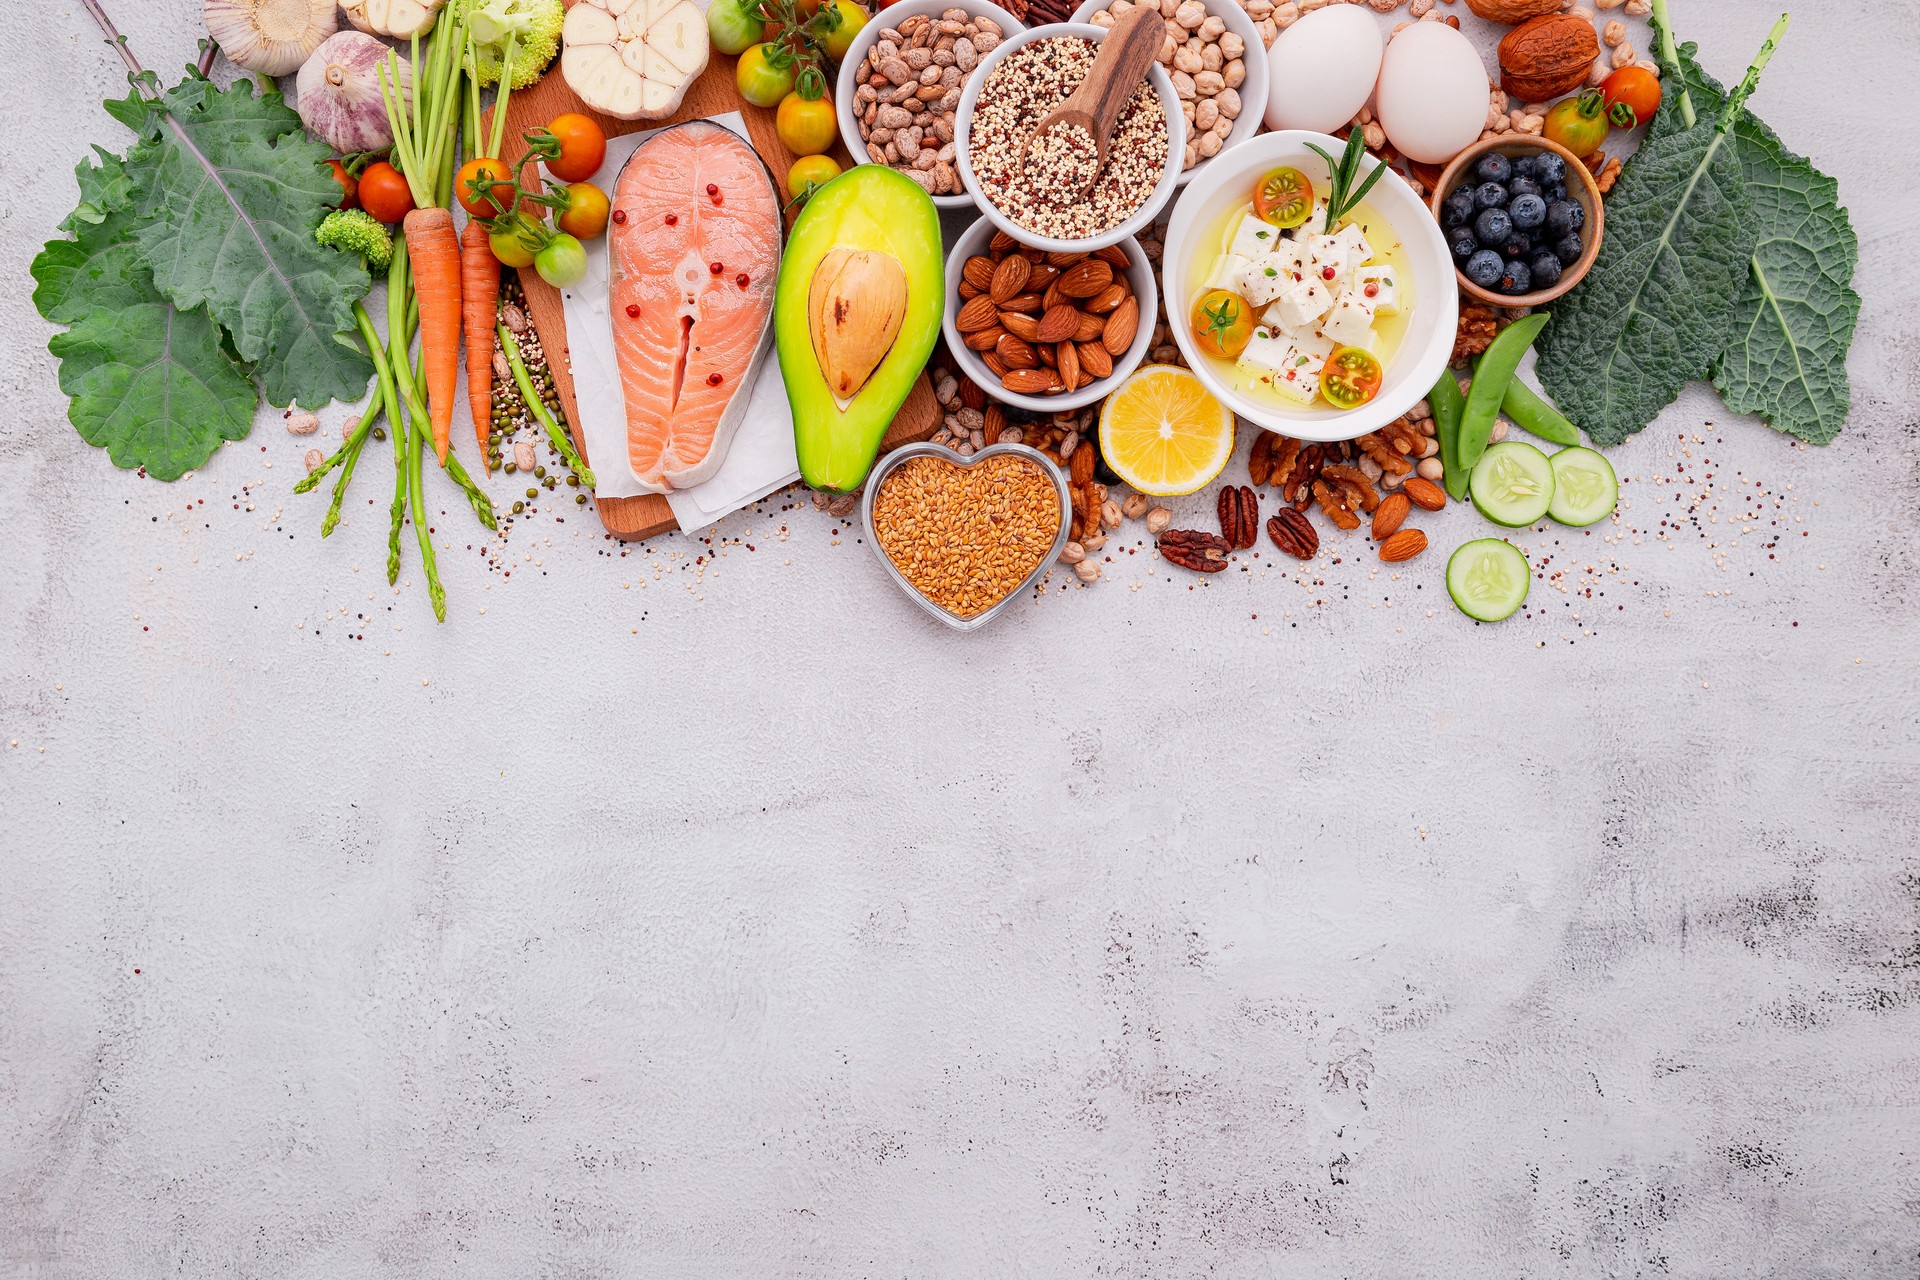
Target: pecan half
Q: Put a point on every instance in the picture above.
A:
(1239, 516)
(1260, 460)
(1192, 549)
(1293, 533)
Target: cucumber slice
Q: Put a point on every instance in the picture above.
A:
(1512, 484)
(1488, 578)
(1584, 489)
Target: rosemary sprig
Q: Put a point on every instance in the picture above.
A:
(1342, 194)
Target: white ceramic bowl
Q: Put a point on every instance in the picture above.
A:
(1428, 343)
(1253, 90)
(972, 242)
(1146, 213)
(890, 17)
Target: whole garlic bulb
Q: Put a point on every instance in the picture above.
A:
(338, 93)
(399, 19)
(269, 37)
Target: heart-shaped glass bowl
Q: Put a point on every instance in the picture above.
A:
(906, 453)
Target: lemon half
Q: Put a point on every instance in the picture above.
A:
(1164, 433)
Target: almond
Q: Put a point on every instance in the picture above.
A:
(1512, 12)
(1425, 494)
(1065, 260)
(1022, 302)
(1022, 326)
(1027, 382)
(1091, 327)
(1388, 516)
(978, 272)
(985, 339)
(994, 363)
(1009, 278)
(1114, 256)
(1547, 56)
(1121, 327)
(1045, 352)
(1042, 275)
(1084, 279)
(1060, 323)
(1001, 243)
(1052, 297)
(1095, 360)
(1080, 469)
(1067, 360)
(1014, 353)
(1107, 299)
(978, 314)
(1404, 545)
(968, 291)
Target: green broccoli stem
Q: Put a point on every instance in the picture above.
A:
(537, 407)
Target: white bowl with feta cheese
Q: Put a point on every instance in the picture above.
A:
(1380, 282)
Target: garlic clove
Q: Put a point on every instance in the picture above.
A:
(270, 37)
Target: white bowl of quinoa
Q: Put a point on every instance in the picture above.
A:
(1012, 91)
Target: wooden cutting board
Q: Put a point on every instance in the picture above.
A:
(711, 95)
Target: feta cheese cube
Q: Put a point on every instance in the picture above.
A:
(1350, 323)
(1316, 223)
(1303, 303)
(1353, 242)
(1254, 237)
(1266, 278)
(1226, 275)
(1299, 376)
(1266, 354)
(1327, 261)
(1379, 288)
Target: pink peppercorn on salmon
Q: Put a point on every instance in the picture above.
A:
(695, 247)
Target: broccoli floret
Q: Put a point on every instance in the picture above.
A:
(357, 231)
(535, 28)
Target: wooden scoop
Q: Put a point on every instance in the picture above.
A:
(1126, 55)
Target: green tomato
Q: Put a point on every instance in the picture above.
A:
(562, 262)
(731, 27)
(852, 17)
(760, 82)
(507, 245)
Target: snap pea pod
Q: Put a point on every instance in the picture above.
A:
(1447, 403)
(1491, 377)
(1535, 416)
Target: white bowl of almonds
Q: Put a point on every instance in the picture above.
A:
(888, 62)
(1218, 66)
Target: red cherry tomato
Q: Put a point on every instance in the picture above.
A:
(495, 193)
(1633, 95)
(583, 147)
(384, 193)
(349, 185)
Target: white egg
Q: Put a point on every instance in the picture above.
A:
(1432, 97)
(1322, 69)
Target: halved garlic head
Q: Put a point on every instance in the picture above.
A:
(269, 37)
(633, 59)
(399, 19)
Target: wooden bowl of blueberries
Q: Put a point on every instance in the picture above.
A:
(1522, 217)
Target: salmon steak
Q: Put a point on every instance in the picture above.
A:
(695, 256)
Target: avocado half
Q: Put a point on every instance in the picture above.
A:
(856, 314)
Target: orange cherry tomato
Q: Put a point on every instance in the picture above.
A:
(1352, 377)
(583, 147)
(349, 185)
(384, 193)
(1222, 323)
(484, 187)
(1284, 197)
(586, 217)
(1633, 95)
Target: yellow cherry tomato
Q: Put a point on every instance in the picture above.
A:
(759, 81)
(507, 248)
(1352, 377)
(852, 17)
(1284, 197)
(1222, 323)
(586, 217)
(805, 128)
(811, 171)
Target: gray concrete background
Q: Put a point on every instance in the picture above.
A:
(679, 917)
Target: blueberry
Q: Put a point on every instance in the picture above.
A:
(1569, 248)
(1515, 278)
(1564, 217)
(1493, 167)
(1463, 243)
(1459, 208)
(1527, 212)
(1526, 166)
(1493, 226)
(1484, 268)
(1518, 245)
(1549, 168)
(1546, 271)
(1552, 191)
(1490, 195)
(1522, 186)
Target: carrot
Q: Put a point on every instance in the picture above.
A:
(479, 289)
(435, 253)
